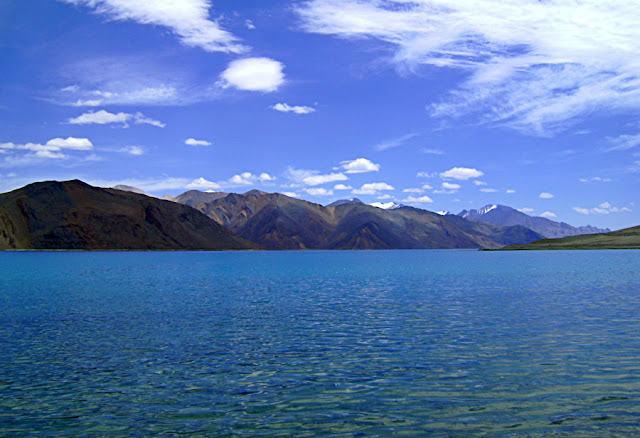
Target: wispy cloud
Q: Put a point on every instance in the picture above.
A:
(623, 142)
(545, 195)
(535, 66)
(595, 179)
(603, 208)
(103, 117)
(313, 177)
(188, 19)
(395, 142)
(432, 151)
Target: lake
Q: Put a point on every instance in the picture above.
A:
(337, 343)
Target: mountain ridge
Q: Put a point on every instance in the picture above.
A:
(75, 215)
(506, 216)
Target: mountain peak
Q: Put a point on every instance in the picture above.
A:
(344, 202)
(387, 205)
(507, 216)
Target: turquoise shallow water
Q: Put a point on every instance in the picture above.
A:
(351, 343)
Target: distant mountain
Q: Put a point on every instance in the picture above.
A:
(75, 215)
(507, 216)
(345, 201)
(628, 238)
(131, 189)
(276, 221)
(387, 205)
(193, 198)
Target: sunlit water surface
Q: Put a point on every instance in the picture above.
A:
(368, 343)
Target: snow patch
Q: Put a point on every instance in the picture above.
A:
(386, 205)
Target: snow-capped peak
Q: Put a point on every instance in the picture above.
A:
(443, 213)
(386, 205)
(487, 209)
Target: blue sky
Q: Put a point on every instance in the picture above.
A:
(443, 105)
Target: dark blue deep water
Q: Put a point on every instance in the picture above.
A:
(350, 343)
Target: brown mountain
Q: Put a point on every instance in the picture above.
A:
(276, 221)
(74, 215)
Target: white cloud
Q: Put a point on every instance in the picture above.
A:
(479, 183)
(50, 154)
(103, 117)
(413, 190)
(526, 210)
(80, 144)
(244, 178)
(188, 19)
(462, 173)
(432, 151)
(359, 165)
(532, 65)
(427, 174)
(194, 142)
(53, 149)
(202, 184)
(419, 200)
(486, 190)
(341, 187)
(548, 214)
(545, 195)
(286, 108)
(313, 177)
(249, 24)
(291, 194)
(264, 177)
(319, 191)
(394, 143)
(510, 191)
(450, 186)
(253, 74)
(603, 208)
(90, 102)
(133, 150)
(595, 179)
(372, 188)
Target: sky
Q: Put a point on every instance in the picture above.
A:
(443, 105)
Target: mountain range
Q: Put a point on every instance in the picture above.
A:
(505, 216)
(276, 221)
(74, 215)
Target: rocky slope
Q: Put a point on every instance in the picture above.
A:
(74, 215)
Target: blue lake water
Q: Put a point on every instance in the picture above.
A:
(344, 343)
